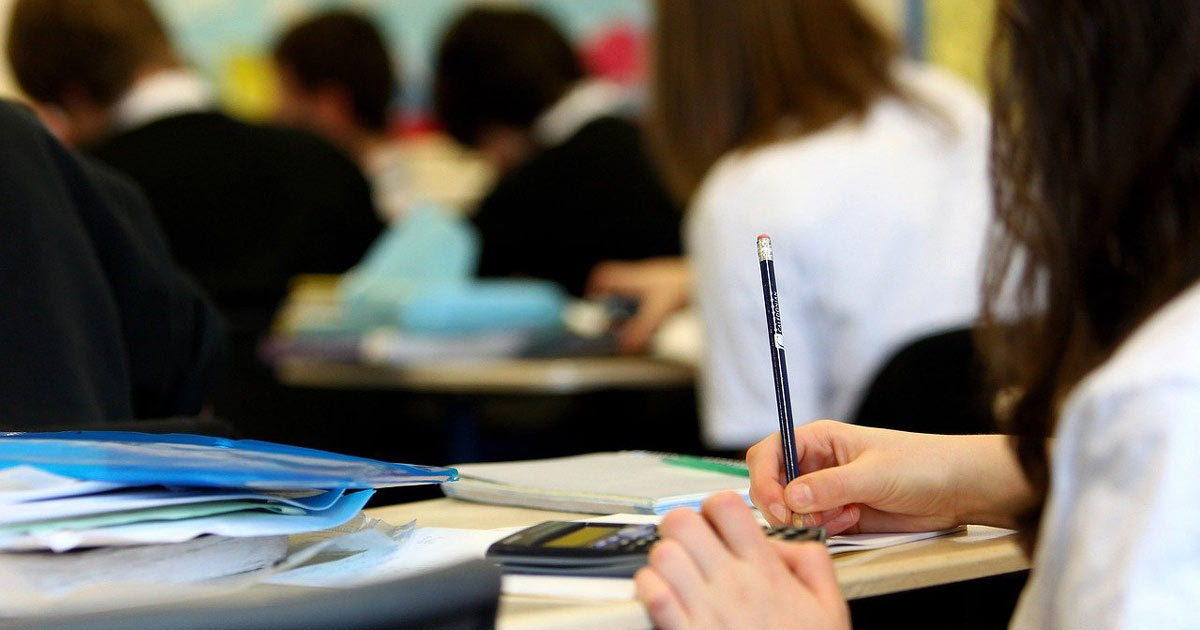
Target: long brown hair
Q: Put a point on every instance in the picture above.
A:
(1096, 177)
(730, 74)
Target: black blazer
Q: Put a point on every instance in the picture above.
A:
(246, 207)
(96, 322)
(594, 197)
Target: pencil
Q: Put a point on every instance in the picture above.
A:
(783, 395)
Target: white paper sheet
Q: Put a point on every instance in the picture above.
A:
(559, 587)
(862, 542)
(20, 597)
(237, 524)
(19, 484)
(142, 498)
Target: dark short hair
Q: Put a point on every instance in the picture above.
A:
(343, 49)
(500, 66)
(97, 44)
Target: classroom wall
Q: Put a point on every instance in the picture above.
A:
(229, 40)
(958, 36)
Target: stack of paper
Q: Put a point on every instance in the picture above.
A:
(97, 495)
(635, 482)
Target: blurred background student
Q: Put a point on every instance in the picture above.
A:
(97, 324)
(799, 118)
(337, 79)
(244, 207)
(575, 186)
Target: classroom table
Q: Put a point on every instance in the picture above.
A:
(314, 296)
(569, 375)
(976, 553)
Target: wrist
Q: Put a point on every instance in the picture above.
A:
(991, 487)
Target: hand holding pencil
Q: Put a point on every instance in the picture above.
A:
(783, 398)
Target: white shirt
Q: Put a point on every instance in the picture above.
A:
(162, 94)
(1120, 538)
(586, 101)
(878, 229)
(389, 169)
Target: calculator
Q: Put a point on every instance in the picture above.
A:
(595, 549)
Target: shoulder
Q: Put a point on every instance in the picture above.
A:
(1161, 356)
(600, 155)
(610, 142)
(941, 88)
(940, 115)
(16, 119)
(801, 177)
(607, 128)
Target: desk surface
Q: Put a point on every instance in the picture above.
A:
(976, 553)
(504, 376)
(315, 296)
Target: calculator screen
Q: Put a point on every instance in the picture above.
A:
(582, 537)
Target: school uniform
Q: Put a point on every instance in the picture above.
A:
(878, 229)
(589, 194)
(97, 323)
(1118, 540)
(244, 207)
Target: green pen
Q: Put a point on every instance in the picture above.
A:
(709, 464)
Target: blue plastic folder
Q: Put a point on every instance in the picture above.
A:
(198, 461)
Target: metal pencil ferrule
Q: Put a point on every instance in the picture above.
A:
(764, 250)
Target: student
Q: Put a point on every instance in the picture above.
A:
(96, 323)
(575, 184)
(1097, 256)
(798, 118)
(336, 78)
(244, 207)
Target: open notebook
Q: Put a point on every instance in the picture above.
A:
(629, 482)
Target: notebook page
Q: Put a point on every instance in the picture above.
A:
(629, 473)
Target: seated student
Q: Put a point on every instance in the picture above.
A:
(1097, 253)
(244, 207)
(798, 118)
(575, 184)
(96, 323)
(336, 78)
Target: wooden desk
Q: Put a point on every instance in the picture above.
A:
(977, 553)
(504, 376)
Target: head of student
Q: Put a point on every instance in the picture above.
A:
(1096, 160)
(731, 75)
(337, 78)
(497, 70)
(80, 56)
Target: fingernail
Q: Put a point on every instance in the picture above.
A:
(779, 512)
(804, 520)
(799, 496)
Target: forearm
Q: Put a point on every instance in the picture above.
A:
(992, 488)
